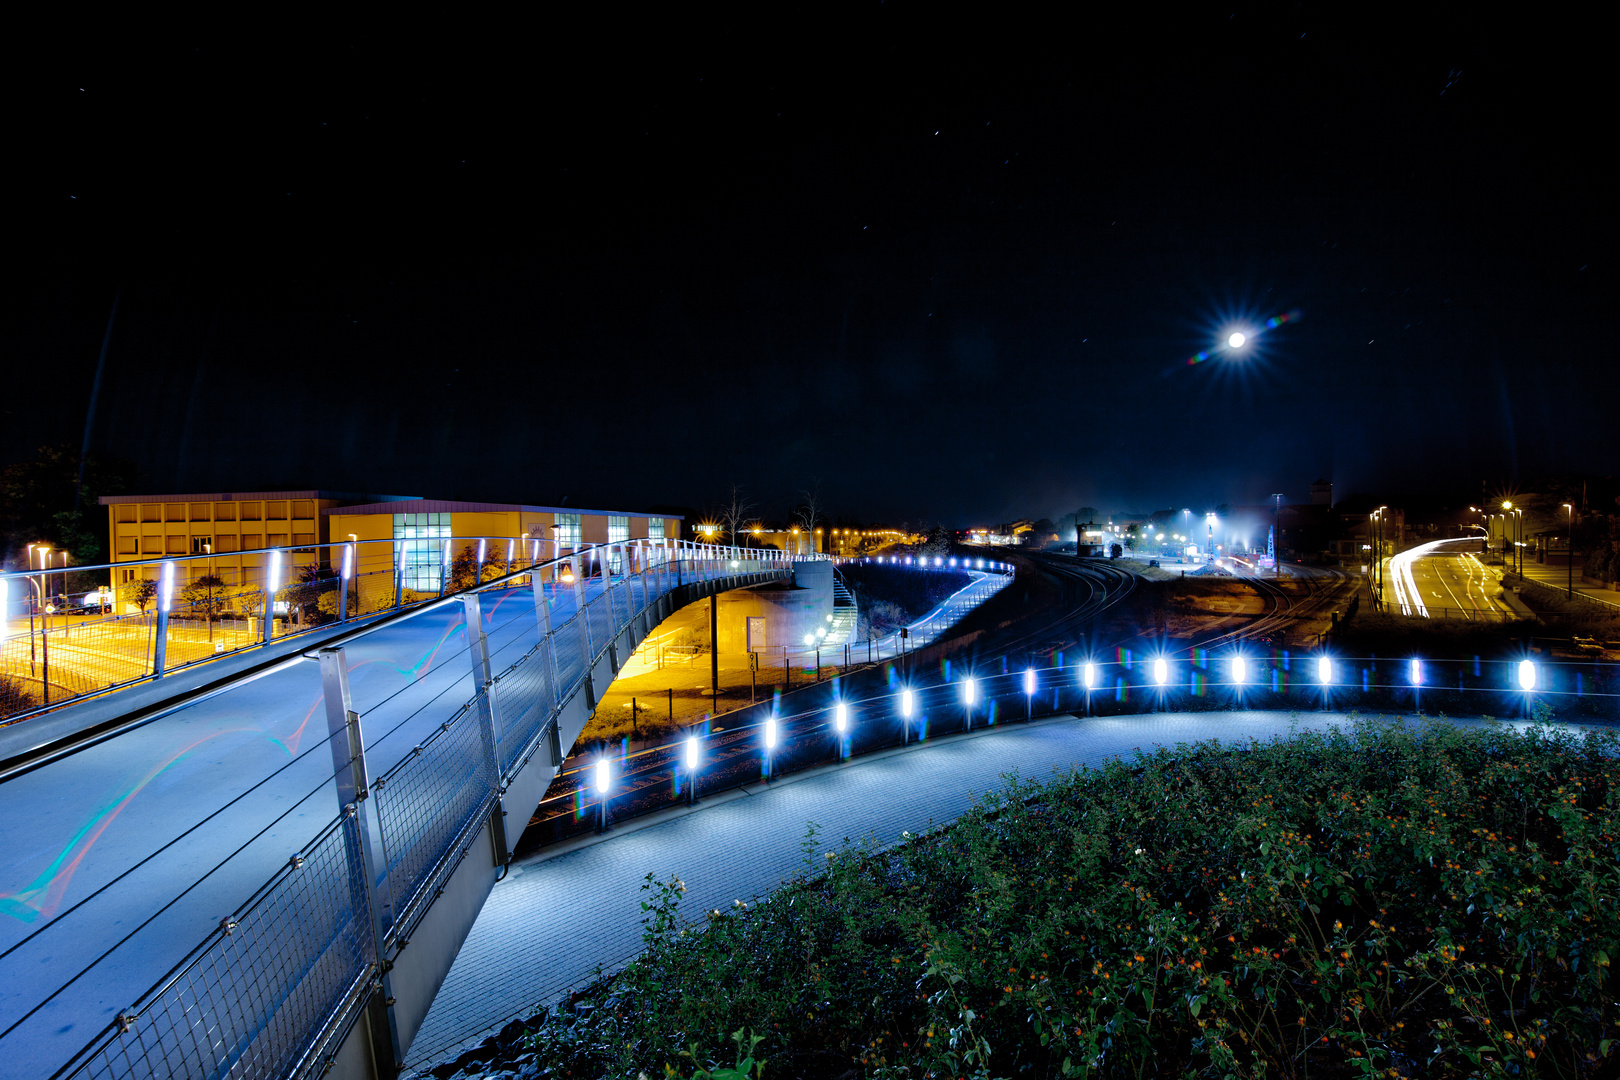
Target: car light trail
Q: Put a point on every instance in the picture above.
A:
(1407, 593)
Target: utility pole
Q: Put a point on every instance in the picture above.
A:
(1276, 537)
(714, 649)
(1569, 549)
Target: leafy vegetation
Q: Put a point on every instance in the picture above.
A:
(1389, 901)
(891, 596)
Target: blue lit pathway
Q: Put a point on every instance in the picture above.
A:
(556, 916)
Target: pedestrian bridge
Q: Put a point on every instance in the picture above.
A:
(266, 868)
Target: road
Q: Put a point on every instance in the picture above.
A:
(1442, 580)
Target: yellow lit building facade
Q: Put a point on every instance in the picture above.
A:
(227, 534)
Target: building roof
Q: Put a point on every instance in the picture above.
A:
(238, 496)
(358, 503)
(453, 506)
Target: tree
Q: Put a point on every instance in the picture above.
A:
(811, 508)
(464, 568)
(937, 543)
(140, 592)
(733, 515)
(205, 594)
(303, 593)
(51, 499)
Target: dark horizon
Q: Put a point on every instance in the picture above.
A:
(955, 274)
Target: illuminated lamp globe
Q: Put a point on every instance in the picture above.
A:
(1236, 340)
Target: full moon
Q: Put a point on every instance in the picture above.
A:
(1236, 340)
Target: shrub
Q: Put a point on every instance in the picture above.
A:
(1384, 901)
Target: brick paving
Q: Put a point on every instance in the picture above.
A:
(557, 916)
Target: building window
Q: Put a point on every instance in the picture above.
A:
(424, 536)
(567, 530)
(618, 533)
(202, 545)
(655, 528)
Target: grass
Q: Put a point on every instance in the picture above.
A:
(1387, 901)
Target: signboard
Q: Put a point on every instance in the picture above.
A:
(756, 632)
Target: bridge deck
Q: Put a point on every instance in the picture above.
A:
(97, 845)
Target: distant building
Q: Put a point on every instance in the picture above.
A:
(226, 534)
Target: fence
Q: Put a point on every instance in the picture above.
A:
(63, 637)
(273, 988)
(776, 738)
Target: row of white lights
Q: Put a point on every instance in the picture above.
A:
(939, 560)
(1239, 668)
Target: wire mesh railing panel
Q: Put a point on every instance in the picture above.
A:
(260, 988)
(596, 616)
(427, 800)
(527, 699)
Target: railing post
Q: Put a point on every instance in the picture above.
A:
(343, 583)
(646, 590)
(364, 828)
(399, 573)
(160, 643)
(489, 712)
(579, 604)
(604, 555)
(272, 583)
(444, 569)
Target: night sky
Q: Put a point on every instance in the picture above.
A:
(950, 262)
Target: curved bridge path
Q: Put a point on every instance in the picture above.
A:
(560, 913)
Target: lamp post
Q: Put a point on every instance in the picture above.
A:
(1518, 540)
(1569, 549)
(1276, 537)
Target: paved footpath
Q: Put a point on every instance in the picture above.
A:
(560, 913)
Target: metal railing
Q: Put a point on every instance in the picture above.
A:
(272, 989)
(71, 632)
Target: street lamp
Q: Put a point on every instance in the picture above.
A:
(1569, 549)
(1276, 536)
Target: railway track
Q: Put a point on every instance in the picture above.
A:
(1323, 588)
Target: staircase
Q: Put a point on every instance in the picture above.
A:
(845, 614)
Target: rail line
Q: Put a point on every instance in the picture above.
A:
(1323, 585)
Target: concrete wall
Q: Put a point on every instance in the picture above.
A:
(790, 611)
